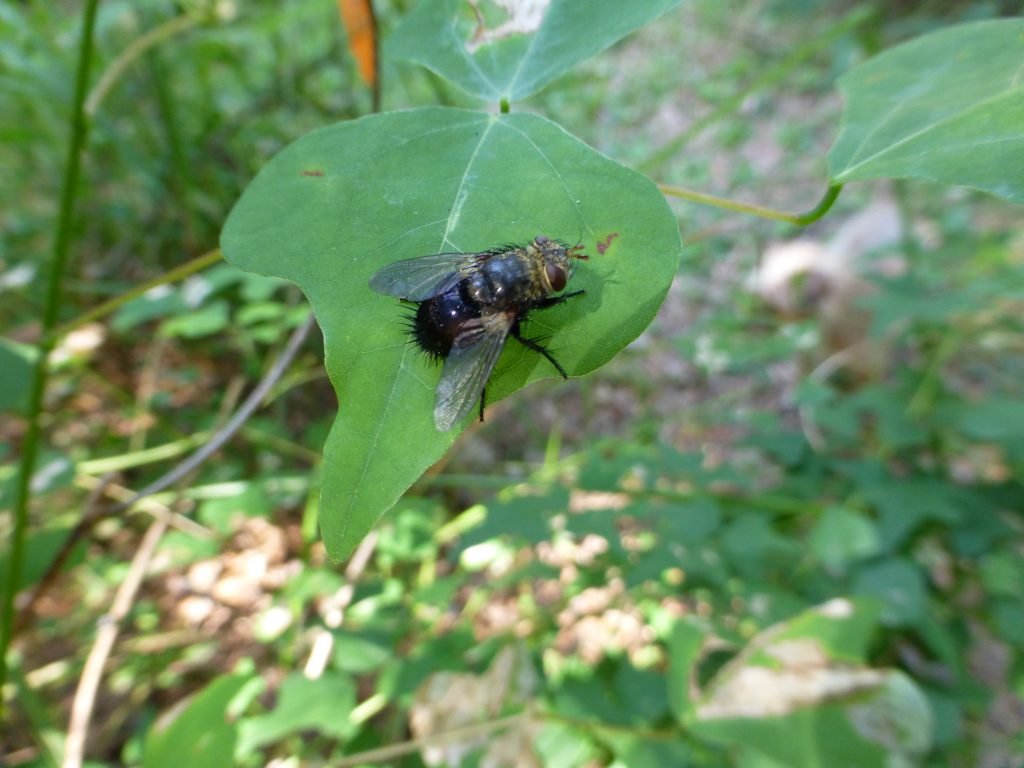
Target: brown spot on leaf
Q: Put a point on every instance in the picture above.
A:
(311, 172)
(605, 244)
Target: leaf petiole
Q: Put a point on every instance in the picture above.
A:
(797, 219)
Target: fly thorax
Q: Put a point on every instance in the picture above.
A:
(501, 282)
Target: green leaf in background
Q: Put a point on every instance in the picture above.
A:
(997, 419)
(559, 744)
(755, 547)
(639, 749)
(1008, 621)
(899, 586)
(322, 705)
(689, 522)
(200, 736)
(799, 694)
(596, 699)
(524, 518)
(514, 53)
(947, 107)
(1002, 573)
(359, 654)
(842, 629)
(843, 536)
(205, 321)
(906, 505)
(684, 645)
(341, 202)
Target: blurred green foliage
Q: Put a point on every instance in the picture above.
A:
(619, 571)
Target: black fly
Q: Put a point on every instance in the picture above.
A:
(469, 304)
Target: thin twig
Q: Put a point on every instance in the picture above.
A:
(822, 373)
(225, 433)
(141, 44)
(147, 386)
(101, 310)
(391, 751)
(109, 626)
(333, 608)
(178, 521)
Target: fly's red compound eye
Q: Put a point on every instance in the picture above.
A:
(557, 277)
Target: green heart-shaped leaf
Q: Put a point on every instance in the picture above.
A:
(343, 201)
(503, 55)
(947, 107)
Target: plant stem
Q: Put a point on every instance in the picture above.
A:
(117, 68)
(106, 635)
(797, 219)
(928, 388)
(40, 373)
(178, 273)
(237, 420)
(142, 457)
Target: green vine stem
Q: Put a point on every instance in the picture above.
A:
(142, 44)
(51, 309)
(797, 219)
(101, 310)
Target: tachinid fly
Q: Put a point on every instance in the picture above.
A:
(469, 304)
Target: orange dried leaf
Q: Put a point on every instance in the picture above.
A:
(362, 36)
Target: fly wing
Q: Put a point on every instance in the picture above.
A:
(467, 368)
(424, 277)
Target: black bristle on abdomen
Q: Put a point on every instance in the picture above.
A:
(428, 332)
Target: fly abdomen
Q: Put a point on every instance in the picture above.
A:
(438, 321)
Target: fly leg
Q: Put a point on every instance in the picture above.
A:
(483, 398)
(553, 301)
(536, 346)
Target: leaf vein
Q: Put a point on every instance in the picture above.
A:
(557, 174)
(951, 117)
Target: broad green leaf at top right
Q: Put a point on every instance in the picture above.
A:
(947, 107)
